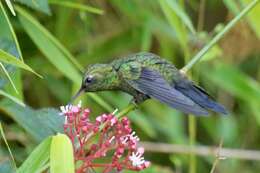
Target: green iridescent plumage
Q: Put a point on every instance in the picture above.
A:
(146, 75)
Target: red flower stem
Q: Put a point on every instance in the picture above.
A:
(108, 170)
(100, 164)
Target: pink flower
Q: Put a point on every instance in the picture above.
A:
(114, 136)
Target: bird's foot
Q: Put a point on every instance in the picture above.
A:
(134, 102)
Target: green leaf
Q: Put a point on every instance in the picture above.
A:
(15, 40)
(17, 79)
(38, 158)
(76, 5)
(38, 123)
(10, 6)
(61, 155)
(7, 145)
(10, 59)
(8, 76)
(40, 5)
(12, 98)
(43, 39)
(176, 24)
(15, 73)
(232, 6)
(146, 41)
(12, 32)
(178, 10)
(253, 17)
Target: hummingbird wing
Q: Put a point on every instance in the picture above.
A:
(200, 96)
(154, 85)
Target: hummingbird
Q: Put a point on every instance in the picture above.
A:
(146, 76)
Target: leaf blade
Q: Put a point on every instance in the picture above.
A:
(40, 5)
(40, 37)
(10, 59)
(12, 98)
(8, 76)
(7, 145)
(181, 14)
(75, 5)
(38, 158)
(10, 6)
(61, 155)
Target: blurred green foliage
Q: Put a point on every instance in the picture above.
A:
(57, 39)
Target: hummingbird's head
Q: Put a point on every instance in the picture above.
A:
(98, 77)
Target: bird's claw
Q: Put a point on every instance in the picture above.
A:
(133, 102)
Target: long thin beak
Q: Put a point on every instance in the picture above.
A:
(81, 90)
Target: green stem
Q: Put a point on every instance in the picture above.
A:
(197, 57)
(126, 110)
(192, 138)
(101, 102)
(218, 157)
(203, 51)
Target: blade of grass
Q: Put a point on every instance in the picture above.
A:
(48, 37)
(146, 40)
(220, 35)
(12, 98)
(177, 25)
(232, 6)
(37, 159)
(39, 5)
(7, 145)
(16, 43)
(10, 59)
(78, 6)
(173, 4)
(253, 18)
(9, 78)
(12, 31)
(16, 76)
(10, 6)
(40, 37)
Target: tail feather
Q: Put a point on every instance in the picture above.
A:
(201, 97)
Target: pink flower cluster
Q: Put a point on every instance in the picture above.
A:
(107, 139)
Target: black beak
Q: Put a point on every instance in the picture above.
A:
(81, 90)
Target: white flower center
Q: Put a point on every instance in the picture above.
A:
(136, 159)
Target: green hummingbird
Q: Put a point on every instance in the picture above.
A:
(145, 76)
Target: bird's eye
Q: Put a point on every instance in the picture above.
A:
(89, 79)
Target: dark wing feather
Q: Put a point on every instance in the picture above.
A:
(153, 84)
(200, 96)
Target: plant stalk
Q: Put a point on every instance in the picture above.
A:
(206, 48)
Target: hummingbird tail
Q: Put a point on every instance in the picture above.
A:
(201, 97)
